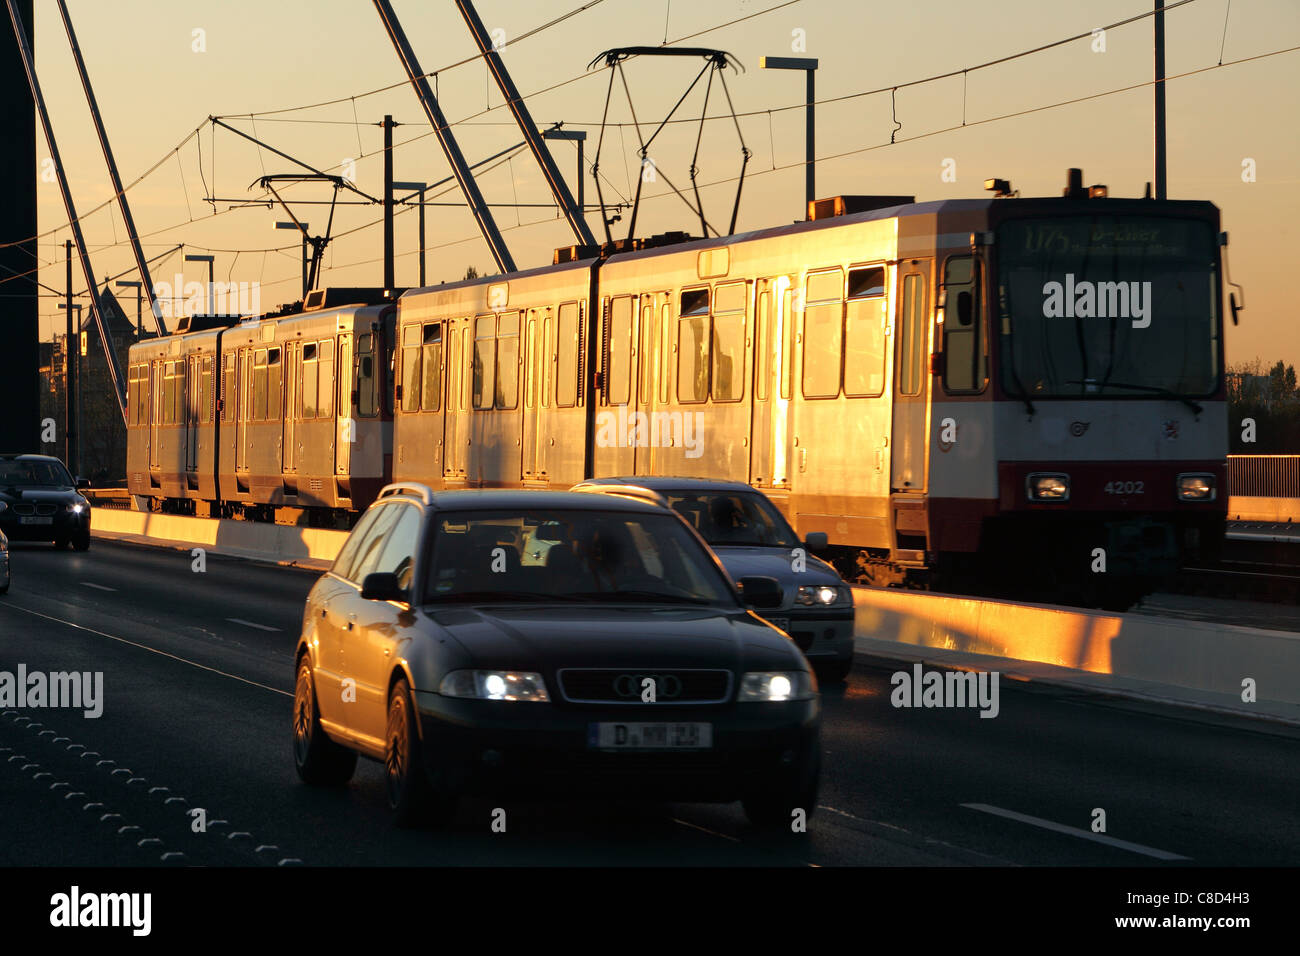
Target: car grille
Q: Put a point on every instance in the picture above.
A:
(623, 685)
(27, 510)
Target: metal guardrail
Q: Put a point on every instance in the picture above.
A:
(1264, 476)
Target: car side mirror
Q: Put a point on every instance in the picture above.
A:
(816, 542)
(382, 586)
(83, 483)
(761, 591)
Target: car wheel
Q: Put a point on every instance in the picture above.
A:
(836, 671)
(774, 808)
(410, 796)
(81, 541)
(318, 760)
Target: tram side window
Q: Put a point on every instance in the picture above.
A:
(259, 386)
(310, 377)
(566, 345)
(325, 396)
(507, 374)
(823, 329)
(864, 333)
(648, 354)
(618, 353)
(411, 351)
(693, 346)
(729, 342)
(367, 406)
(230, 380)
(912, 330)
(205, 390)
(274, 377)
(763, 347)
(484, 371)
(965, 367)
(431, 386)
(132, 394)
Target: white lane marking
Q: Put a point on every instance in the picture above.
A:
(260, 627)
(144, 647)
(1075, 832)
(97, 587)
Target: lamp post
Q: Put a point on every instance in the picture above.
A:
(71, 385)
(809, 65)
(209, 260)
(303, 230)
(419, 188)
(139, 289)
(578, 136)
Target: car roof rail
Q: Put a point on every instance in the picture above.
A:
(629, 491)
(424, 492)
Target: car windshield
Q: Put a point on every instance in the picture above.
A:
(728, 518)
(1108, 306)
(17, 472)
(547, 555)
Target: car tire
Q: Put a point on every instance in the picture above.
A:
(773, 809)
(836, 671)
(81, 541)
(319, 761)
(410, 795)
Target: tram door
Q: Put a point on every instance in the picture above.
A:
(647, 356)
(769, 446)
(241, 420)
(156, 417)
(538, 347)
(292, 404)
(911, 379)
(456, 418)
(345, 424)
(193, 413)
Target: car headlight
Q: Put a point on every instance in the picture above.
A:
(778, 685)
(75, 508)
(1041, 487)
(1196, 487)
(822, 595)
(494, 685)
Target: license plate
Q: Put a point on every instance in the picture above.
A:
(37, 520)
(650, 736)
(782, 622)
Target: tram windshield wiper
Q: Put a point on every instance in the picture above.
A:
(1154, 389)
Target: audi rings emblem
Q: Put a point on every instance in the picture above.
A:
(630, 685)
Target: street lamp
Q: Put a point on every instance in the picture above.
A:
(809, 65)
(212, 307)
(139, 288)
(419, 188)
(300, 227)
(579, 136)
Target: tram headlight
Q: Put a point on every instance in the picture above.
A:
(1196, 487)
(1041, 487)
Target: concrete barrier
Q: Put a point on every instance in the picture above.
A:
(1196, 662)
(283, 544)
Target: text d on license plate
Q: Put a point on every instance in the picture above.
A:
(650, 736)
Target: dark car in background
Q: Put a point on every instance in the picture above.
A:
(43, 502)
(551, 644)
(6, 575)
(751, 536)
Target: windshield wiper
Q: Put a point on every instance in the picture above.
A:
(650, 596)
(1154, 389)
(462, 597)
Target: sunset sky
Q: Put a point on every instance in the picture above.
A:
(154, 89)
